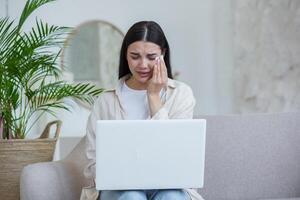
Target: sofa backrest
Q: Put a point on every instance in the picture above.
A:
(247, 157)
(252, 156)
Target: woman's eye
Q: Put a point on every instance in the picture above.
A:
(135, 57)
(151, 58)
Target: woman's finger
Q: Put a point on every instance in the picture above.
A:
(159, 78)
(164, 69)
(154, 76)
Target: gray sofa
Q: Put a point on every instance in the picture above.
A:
(247, 157)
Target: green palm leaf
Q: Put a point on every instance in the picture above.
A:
(29, 72)
(30, 6)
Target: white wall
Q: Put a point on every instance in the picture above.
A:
(194, 29)
(3, 8)
(224, 62)
(267, 62)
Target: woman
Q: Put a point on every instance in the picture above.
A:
(145, 90)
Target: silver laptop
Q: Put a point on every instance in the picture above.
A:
(150, 154)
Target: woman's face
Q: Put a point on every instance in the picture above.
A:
(141, 57)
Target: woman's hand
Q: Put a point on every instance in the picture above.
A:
(158, 81)
(159, 78)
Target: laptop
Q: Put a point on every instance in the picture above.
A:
(150, 154)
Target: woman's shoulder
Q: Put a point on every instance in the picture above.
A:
(105, 96)
(179, 85)
(181, 92)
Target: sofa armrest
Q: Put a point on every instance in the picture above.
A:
(51, 180)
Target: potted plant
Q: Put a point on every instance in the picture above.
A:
(30, 86)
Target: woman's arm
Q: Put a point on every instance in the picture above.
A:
(156, 84)
(184, 101)
(90, 141)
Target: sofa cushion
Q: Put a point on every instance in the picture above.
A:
(252, 156)
(284, 199)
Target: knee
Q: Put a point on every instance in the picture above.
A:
(172, 195)
(133, 195)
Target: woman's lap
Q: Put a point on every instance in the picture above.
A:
(144, 195)
(122, 195)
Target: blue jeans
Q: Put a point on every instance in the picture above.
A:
(174, 194)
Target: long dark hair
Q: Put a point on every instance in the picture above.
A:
(147, 31)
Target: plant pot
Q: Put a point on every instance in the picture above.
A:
(17, 153)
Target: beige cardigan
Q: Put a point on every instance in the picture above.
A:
(178, 102)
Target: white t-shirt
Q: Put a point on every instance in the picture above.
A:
(135, 103)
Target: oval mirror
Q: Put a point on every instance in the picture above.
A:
(91, 54)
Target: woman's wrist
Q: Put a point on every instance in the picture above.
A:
(153, 96)
(154, 103)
